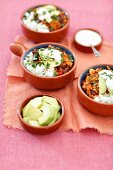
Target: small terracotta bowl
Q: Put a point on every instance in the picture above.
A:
(87, 102)
(86, 48)
(45, 83)
(40, 130)
(39, 37)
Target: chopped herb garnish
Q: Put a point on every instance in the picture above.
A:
(62, 60)
(47, 65)
(34, 65)
(55, 74)
(56, 63)
(70, 56)
(104, 73)
(51, 51)
(110, 76)
(51, 29)
(44, 12)
(35, 56)
(50, 10)
(55, 17)
(41, 63)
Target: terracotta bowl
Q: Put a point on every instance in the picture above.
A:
(87, 102)
(40, 130)
(45, 83)
(39, 37)
(84, 48)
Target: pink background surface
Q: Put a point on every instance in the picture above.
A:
(86, 150)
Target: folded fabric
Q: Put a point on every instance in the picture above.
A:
(76, 116)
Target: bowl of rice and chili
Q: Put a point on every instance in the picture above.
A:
(47, 66)
(95, 89)
(44, 23)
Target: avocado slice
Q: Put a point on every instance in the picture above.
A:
(47, 116)
(55, 117)
(26, 119)
(52, 101)
(30, 110)
(35, 115)
(42, 111)
(25, 110)
(50, 7)
(58, 115)
(102, 85)
(37, 102)
(33, 123)
(109, 84)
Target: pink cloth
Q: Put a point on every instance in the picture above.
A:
(20, 150)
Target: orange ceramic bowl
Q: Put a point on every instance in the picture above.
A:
(40, 130)
(45, 83)
(86, 48)
(87, 102)
(39, 37)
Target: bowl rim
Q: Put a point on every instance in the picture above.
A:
(49, 43)
(90, 29)
(45, 33)
(41, 127)
(80, 88)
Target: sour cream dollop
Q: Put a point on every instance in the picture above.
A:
(88, 37)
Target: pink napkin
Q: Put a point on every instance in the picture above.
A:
(76, 116)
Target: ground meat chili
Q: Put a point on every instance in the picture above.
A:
(90, 84)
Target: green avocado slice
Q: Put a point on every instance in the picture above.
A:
(58, 115)
(31, 111)
(47, 116)
(26, 119)
(102, 85)
(33, 123)
(50, 7)
(55, 118)
(37, 102)
(42, 111)
(52, 101)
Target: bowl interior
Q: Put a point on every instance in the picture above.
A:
(59, 8)
(44, 45)
(87, 29)
(83, 75)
